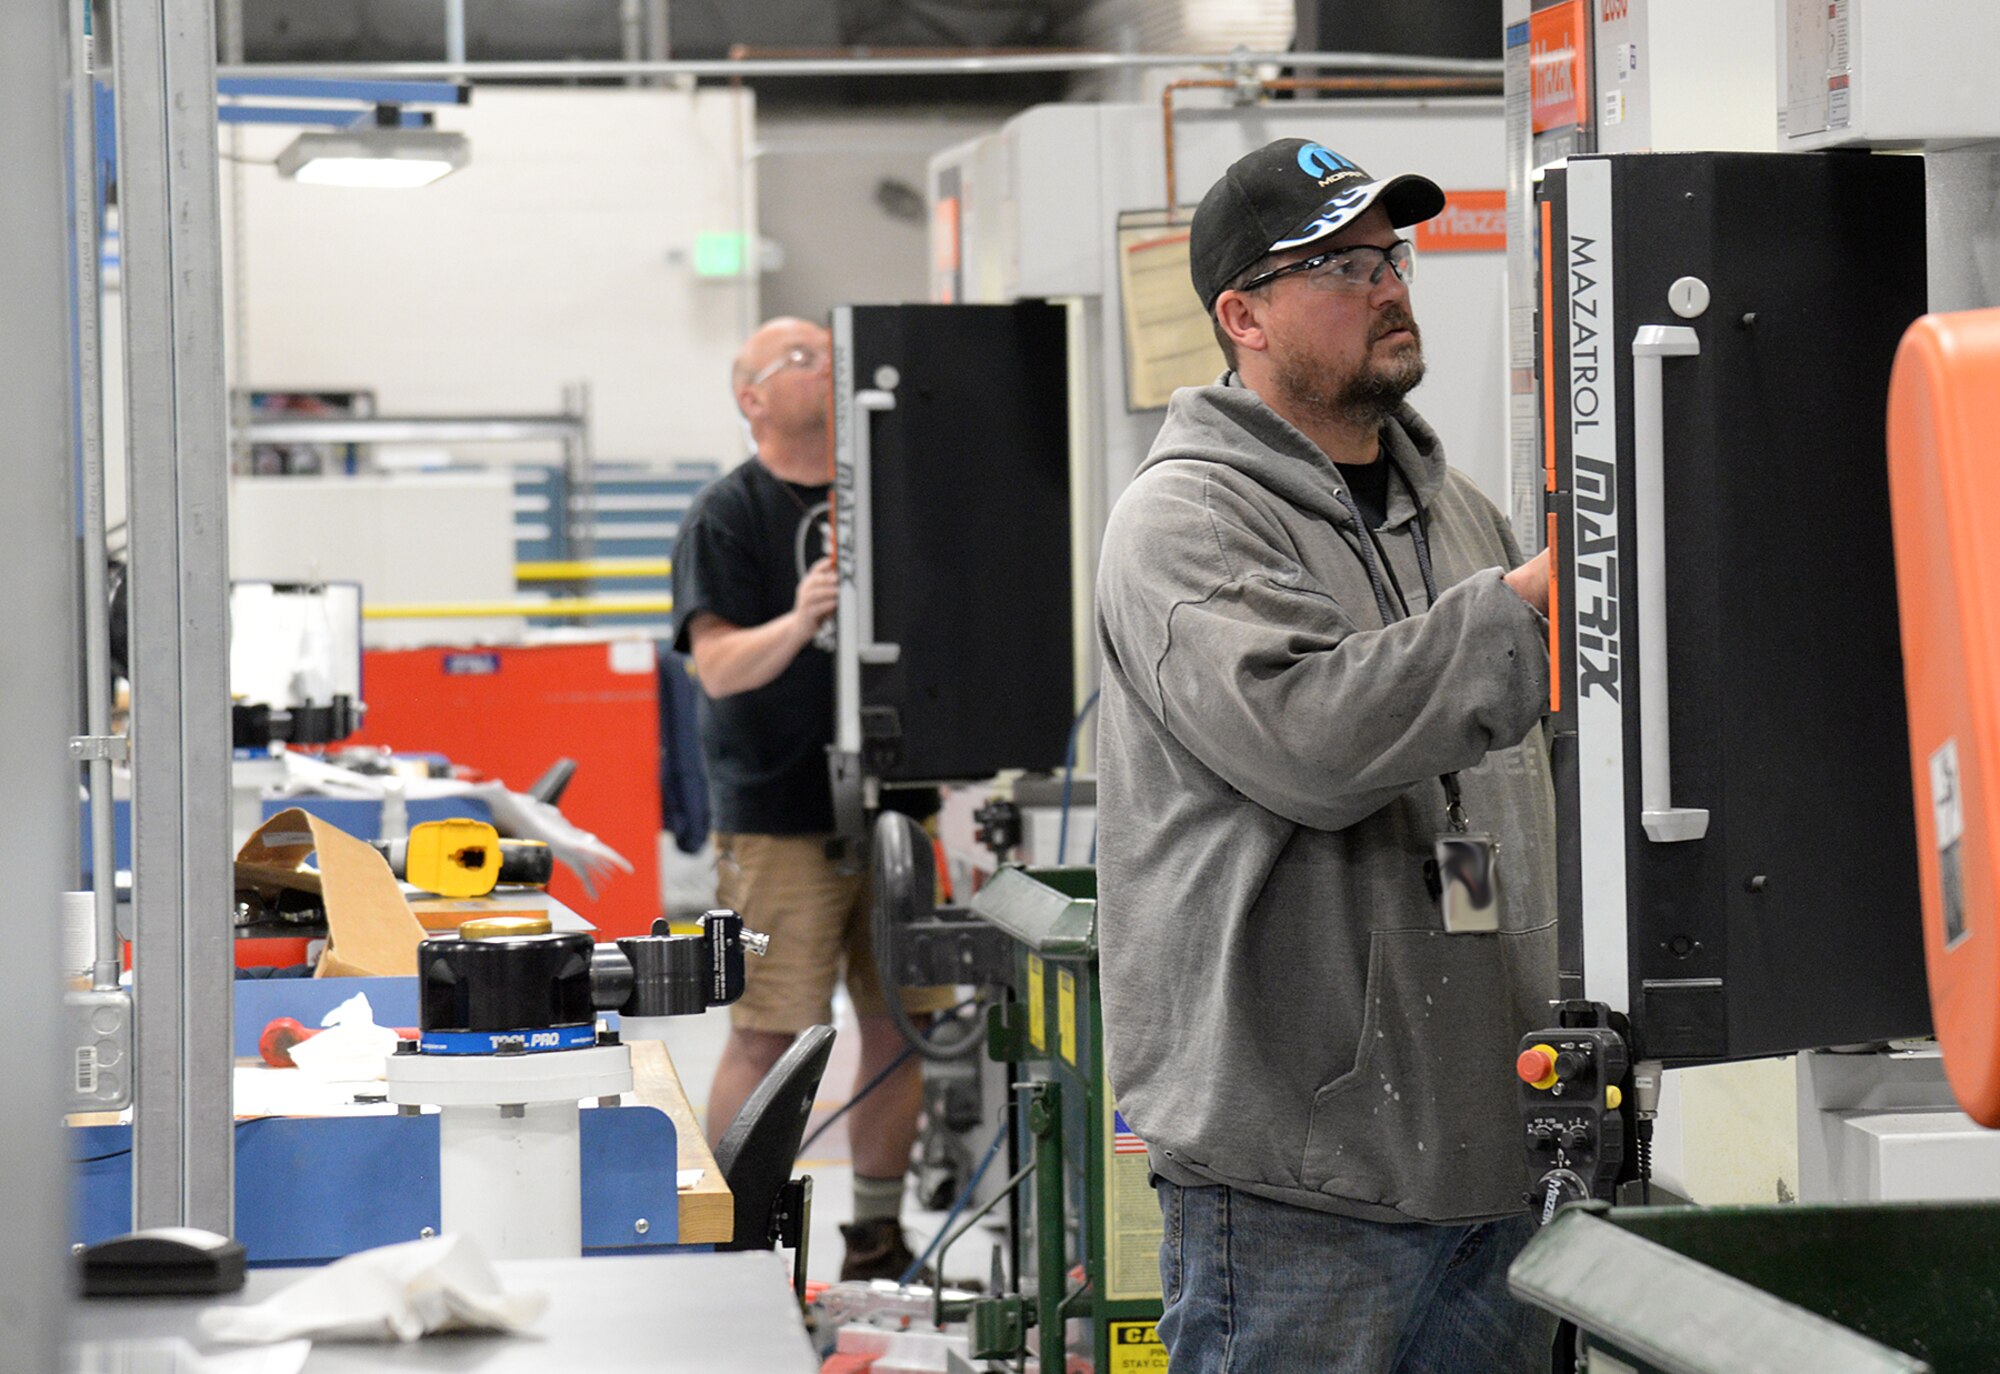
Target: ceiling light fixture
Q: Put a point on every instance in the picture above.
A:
(379, 157)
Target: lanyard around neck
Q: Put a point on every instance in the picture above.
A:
(1454, 799)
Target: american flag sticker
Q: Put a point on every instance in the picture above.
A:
(1123, 1141)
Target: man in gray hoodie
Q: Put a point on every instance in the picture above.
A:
(1322, 653)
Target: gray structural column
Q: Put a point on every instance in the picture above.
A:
(38, 811)
(170, 238)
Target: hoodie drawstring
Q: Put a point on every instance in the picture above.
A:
(1368, 560)
(1454, 801)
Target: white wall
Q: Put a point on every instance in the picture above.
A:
(817, 183)
(562, 253)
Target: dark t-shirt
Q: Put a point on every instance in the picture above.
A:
(1370, 484)
(745, 544)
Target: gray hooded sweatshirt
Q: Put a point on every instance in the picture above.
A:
(1283, 1010)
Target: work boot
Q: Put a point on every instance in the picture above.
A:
(877, 1250)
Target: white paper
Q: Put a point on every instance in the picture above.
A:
(395, 1292)
(265, 1091)
(687, 1179)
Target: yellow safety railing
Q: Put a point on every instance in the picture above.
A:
(525, 606)
(593, 568)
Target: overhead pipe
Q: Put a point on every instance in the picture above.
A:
(1003, 64)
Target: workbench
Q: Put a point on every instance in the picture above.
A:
(298, 1178)
(708, 1209)
(665, 1314)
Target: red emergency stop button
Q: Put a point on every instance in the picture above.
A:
(1537, 1066)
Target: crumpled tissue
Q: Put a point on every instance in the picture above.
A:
(351, 1047)
(395, 1292)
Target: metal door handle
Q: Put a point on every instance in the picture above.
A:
(1663, 822)
(863, 497)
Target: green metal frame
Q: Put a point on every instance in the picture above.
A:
(1052, 916)
(1897, 1288)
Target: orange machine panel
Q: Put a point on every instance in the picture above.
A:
(511, 712)
(1944, 487)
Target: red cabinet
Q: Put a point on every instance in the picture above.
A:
(510, 712)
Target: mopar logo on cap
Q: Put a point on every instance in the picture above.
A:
(1318, 160)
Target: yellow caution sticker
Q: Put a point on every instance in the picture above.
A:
(1038, 1006)
(1066, 1014)
(1132, 1223)
(1136, 1348)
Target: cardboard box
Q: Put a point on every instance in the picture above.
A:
(371, 931)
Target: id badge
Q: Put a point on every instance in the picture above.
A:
(1469, 882)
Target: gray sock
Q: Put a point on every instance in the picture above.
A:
(877, 1199)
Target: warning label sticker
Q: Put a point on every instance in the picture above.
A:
(1038, 1007)
(1066, 1014)
(1132, 1224)
(1135, 1347)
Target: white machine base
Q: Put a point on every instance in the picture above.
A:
(1885, 1128)
(509, 1161)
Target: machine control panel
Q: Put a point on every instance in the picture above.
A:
(1571, 1095)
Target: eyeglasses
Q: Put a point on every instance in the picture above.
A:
(801, 357)
(1355, 268)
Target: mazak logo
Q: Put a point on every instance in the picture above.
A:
(1595, 483)
(1318, 160)
(1556, 35)
(1554, 82)
(1614, 10)
(1471, 222)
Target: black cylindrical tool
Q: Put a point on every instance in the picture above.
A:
(503, 984)
(669, 975)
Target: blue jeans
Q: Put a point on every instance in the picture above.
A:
(1260, 1287)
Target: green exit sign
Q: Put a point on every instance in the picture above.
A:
(721, 255)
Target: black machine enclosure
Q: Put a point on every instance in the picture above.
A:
(968, 476)
(1792, 923)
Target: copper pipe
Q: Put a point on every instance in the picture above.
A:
(1167, 129)
(1380, 85)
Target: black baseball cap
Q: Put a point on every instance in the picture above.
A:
(1287, 194)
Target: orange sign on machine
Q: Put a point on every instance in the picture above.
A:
(1557, 39)
(1471, 222)
(1944, 489)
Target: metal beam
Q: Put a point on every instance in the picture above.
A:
(170, 237)
(319, 88)
(1012, 64)
(38, 815)
(86, 303)
(415, 429)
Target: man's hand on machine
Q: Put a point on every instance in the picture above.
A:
(1530, 582)
(819, 594)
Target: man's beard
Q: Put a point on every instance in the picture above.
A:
(1368, 395)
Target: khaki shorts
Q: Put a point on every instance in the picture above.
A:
(816, 912)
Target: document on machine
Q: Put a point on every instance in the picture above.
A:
(1168, 340)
